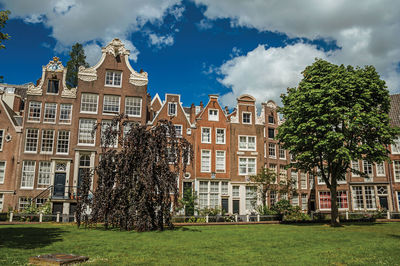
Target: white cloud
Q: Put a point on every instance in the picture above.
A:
(83, 21)
(204, 24)
(266, 73)
(160, 41)
(367, 33)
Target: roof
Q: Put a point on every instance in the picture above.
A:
(394, 113)
(19, 89)
(16, 120)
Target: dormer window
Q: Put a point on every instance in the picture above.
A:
(113, 78)
(246, 118)
(52, 86)
(172, 109)
(213, 115)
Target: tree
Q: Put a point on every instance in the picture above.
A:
(3, 19)
(137, 184)
(337, 114)
(77, 59)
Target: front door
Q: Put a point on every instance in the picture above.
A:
(224, 204)
(383, 202)
(59, 185)
(236, 204)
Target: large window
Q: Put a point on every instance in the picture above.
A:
(220, 161)
(396, 168)
(282, 153)
(1, 139)
(396, 146)
(304, 202)
(205, 135)
(50, 111)
(271, 133)
(28, 174)
(47, 140)
(246, 118)
(247, 143)
(172, 109)
(52, 86)
(31, 140)
(213, 115)
(113, 78)
(370, 201)
(251, 197)
(89, 103)
(355, 166)
(203, 194)
(214, 193)
(224, 188)
(367, 170)
(380, 169)
(325, 200)
(303, 180)
(272, 150)
(111, 104)
(85, 132)
(44, 173)
(2, 171)
(235, 192)
(205, 161)
(63, 142)
(220, 136)
(247, 166)
(133, 106)
(65, 113)
(364, 197)
(294, 176)
(34, 111)
(105, 125)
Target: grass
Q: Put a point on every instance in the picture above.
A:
(352, 244)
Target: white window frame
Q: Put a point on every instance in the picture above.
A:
(169, 110)
(354, 163)
(270, 149)
(395, 147)
(46, 111)
(294, 175)
(202, 140)
(43, 173)
(43, 141)
(369, 165)
(82, 103)
(113, 79)
(280, 150)
(25, 174)
(26, 140)
(106, 112)
(1, 201)
(104, 124)
(398, 200)
(220, 170)
(383, 167)
(251, 119)
(213, 117)
(247, 143)
(67, 140)
(79, 132)
(35, 120)
(247, 173)
(216, 136)
(64, 121)
(303, 185)
(396, 177)
(181, 130)
(2, 139)
(131, 105)
(202, 164)
(3, 171)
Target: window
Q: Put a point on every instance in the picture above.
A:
(205, 161)
(52, 86)
(324, 200)
(355, 166)
(63, 142)
(272, 150)
(89, 103)
(105, 125)
(24, 203)
(133, 106)
(34, 111)
(303, 180)
(396, 146)
(367, 170)
(247, 143)
(271, 119)
(283, 196)
(172, 109)
(113, 78)
(342, 200)
(272, 197)
(294, 176)
(282, 153)
(398, 199)
(203, 194)
(396, 168)
(1, 202)
(1, 139)
(271, 133)
(85, 132)
(127, 127)
(295, 200)
(40, 202)
(47, 141)
(246, 118)
(28, 174)
(214, 192)
(364, 197)
(31, 140)
(44, 173)
(65, 113)
(50, 111)
(220, 162)
(358, 202)
(282, 172)
(2, 171)
(370, 202)
(380, 169)
(304, 202)
(251, 197)
(171, 156)
(220, 132)
(213, 115)
(224, 188)
(320, 179)
(247, 166)
(235, 192)
(273, 168)
(178, 130)
(205, 135)
(111, 104)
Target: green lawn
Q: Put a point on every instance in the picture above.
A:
(208, 245)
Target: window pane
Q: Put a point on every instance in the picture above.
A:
(47, 140)
(50, 110)
(63, 142)
(31, 140)
(44, 173)
(85, 131)
(65, 113)
(34, 111)
(89, 102)
(133, 106)
(111, 104)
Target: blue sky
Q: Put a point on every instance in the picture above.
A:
(200, 47)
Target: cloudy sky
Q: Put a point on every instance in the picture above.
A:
(199, 47)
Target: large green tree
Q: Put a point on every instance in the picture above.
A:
(3, 19)
(335, 115)
(77, 59)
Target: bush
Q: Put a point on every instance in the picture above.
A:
(210, 211)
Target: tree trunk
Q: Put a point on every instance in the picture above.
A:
(335, 222)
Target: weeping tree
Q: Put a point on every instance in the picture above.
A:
(137, 184)
(336, 115)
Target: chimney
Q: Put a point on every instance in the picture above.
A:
(201, 105)
(226, 110)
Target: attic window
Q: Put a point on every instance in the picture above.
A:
(171, 109)
(113, 78)
(271, 119)
(212, 115)
(52, 86)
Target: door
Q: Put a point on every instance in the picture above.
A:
(224, 204)
(59, 185)
(383, 202)
(188, 198)
(236, 204)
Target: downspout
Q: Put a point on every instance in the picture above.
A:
(391, 186)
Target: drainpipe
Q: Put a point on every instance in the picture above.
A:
(391, 186)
